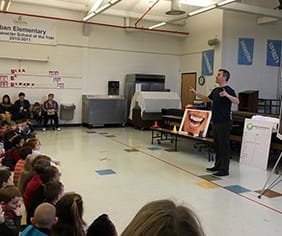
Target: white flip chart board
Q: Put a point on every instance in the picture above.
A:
(256, 143)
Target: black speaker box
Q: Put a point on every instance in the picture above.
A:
(113, 87)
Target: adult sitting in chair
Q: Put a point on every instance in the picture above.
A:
(50, 108)
(6, 108)
(21, 108)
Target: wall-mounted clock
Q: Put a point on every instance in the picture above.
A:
(201, 80)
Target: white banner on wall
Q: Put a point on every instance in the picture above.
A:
(24, 29)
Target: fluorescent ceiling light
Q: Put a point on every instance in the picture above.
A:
(157, 25)
(5, 4)
(225, 2)
(96, 5)
(86, 18)
(199, 3)
(8, 5)
(101, 9)
(112, 2)
(2, 5)
(201, 10)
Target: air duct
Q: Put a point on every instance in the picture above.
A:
(175, 8)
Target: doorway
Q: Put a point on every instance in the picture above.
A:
(188, 80)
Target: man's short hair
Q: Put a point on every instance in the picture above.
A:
(226, 74)
(21, 94)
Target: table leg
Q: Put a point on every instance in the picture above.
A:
(175, 144)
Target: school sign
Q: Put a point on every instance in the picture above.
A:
(24, 29)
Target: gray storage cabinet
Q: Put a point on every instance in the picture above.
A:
(99, 110)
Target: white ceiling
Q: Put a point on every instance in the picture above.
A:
(135, 8)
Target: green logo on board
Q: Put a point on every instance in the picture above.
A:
(250, 126)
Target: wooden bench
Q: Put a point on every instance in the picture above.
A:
(273, 145)
(171, 120)
(236, 138)
(161, 134)
(276, 146)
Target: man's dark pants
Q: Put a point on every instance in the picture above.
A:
(221, 135)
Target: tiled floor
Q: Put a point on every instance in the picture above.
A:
(118, 170)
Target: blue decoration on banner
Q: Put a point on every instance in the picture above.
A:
(207, 62)
(245, 51)
(273, 55)
(105, 172)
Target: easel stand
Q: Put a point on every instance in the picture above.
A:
(270, 185)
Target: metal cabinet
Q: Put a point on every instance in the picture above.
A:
(99, 110)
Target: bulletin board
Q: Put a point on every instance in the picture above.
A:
(50, 80)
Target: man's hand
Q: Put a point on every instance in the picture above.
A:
(193, 91)
(233, 99)
(223, 93)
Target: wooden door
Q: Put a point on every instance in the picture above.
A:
(188, 80)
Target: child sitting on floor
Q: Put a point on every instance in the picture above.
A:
(25, 130)
(42, 221)
(6, 177)
(10, 135)
(11, 157)
(37, 114)
(4, 230)
(24, 152)
(10, 198)
(102, 226)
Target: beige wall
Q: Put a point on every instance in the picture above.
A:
(87, 61)
(257, 76)
(202, 28)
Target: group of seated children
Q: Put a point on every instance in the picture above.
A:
(22, 110)
(29, 177)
